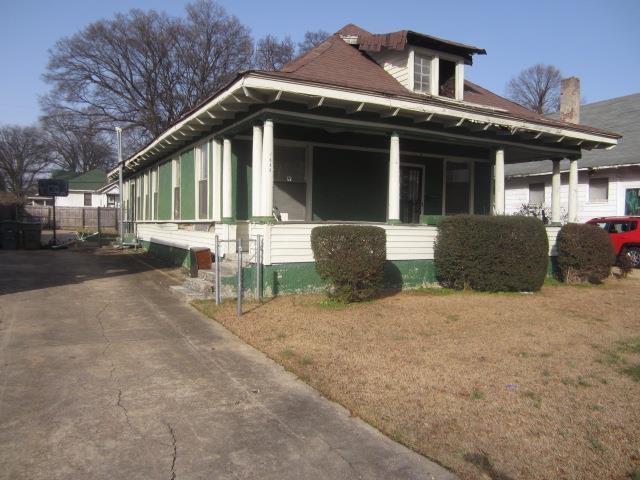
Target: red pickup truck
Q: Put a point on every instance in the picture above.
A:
(624, 234)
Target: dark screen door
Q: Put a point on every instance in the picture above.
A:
(410, 194)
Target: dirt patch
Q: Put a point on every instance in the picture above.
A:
(499, 386)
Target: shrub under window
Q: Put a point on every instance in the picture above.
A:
(491, 253)
(351, 258)
(585, 253)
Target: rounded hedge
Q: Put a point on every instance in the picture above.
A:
(491, 253)
(351, 258)
(585, 253)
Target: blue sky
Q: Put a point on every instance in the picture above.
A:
(595, 40)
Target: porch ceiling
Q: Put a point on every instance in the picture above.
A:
(252, 96)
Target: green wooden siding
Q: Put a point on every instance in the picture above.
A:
(482, 189)
(187, 186)
(349, 185)
(164, 191)
(241, 178)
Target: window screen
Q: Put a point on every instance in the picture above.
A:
(422, 74)
(598, 189)
(536, 193)
(87, 199)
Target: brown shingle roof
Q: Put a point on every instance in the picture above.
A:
(334, 62)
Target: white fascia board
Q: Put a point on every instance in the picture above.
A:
(255, 81)
(417, 107)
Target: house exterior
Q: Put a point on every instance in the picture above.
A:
(89, 189)
(608, 180)
(365, 128)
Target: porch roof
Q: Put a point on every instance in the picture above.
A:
(335, 75)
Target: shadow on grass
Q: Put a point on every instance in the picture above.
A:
(482, 462)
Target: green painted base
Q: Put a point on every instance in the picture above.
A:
(263, 219)
(228, 221)
(431, 219)
(175, 256)
(394, 221)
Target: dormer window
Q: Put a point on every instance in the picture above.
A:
(422, 73)
(437, 74)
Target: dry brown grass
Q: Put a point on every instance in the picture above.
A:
(492, 386)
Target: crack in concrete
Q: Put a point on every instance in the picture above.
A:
(174, 444)
(125, 411)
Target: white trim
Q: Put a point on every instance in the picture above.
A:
(255, 81)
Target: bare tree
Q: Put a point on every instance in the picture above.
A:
(312, 39)
(76, 142)
(144, 70)
(23, 157)
(537, 88)
(273, 54)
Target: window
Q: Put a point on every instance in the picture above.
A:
(154, 190)
(147, 196)
(203, 176)
(446, 78)
(111, 199)
(598, 189)
(422, 73)
(457, 187)
(621, 227)
(632, 201)
(87, 199)
(536, 193)
(176, 189)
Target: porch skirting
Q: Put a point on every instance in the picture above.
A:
(288, 265)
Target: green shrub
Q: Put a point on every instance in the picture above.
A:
(491, 253)
(585, 253)
(351, 258)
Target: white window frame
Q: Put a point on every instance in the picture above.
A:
(201, 157)
(435, 57)
(175, 182)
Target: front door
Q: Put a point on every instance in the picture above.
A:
(411, 198)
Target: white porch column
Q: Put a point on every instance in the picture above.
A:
(555, 192)
(573, 190)
(256, 172)
(266, 188)
(216, 179)
(498, 183)
(393, 208)
(227, 186)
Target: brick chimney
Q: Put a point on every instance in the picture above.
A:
(570, 100)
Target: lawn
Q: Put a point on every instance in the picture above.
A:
(501, 386)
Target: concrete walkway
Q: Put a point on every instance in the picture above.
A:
(104, 375)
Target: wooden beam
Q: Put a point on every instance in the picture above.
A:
(355, 108)
(315, 103)
(390, 113)
(428, 118)
(254, 95)
(454, 124)
(274, 97)
(479, 127)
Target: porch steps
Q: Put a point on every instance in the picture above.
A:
(202, 287)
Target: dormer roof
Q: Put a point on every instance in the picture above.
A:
(375, 42)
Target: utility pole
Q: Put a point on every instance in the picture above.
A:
(120, 187)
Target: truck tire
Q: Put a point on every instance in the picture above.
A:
(634, 255)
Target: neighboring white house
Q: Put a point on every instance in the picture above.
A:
(608, 180)
(90, 189)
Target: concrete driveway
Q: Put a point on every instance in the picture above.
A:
(105, 375)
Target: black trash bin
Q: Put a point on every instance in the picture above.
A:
(10, 234)
(31, 233)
